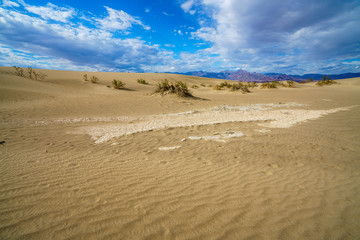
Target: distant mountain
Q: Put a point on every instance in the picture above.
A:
(333, 76)
(242, 75)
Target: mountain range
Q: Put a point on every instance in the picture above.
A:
(242, 75)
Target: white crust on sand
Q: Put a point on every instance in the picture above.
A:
(279, 118)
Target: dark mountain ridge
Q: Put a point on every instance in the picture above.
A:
(242, 75)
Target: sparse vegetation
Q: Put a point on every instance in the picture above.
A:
(202, 84)
(94, 79)
(117, 84)
(32, 74)
(194, 86)
(325, 81)
(179, 88)
(239, 86)
(233, 87)
(222, 85)
(19, 71)
(289, 84)
(142, 81)
(251, 84)
(307, 80)
(272, 84)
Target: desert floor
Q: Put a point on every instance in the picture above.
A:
(85, 161)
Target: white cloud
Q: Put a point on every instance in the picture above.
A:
(74, 45)
(8, 3)
(252, 31)
(186, 6)
(51, 11)
(119, 20)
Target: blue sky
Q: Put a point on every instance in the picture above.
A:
(284, 36)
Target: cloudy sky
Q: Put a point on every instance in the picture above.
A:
(283, 36)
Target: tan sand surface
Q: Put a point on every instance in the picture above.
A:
(85, 161)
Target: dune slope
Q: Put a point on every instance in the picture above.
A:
(85, 161)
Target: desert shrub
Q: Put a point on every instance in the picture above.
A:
(202, 84)
(325, 81)
(19, 71)
(117, 84)
(289, 84)
(94, 79)
(194, 86)
(239, 86)
(32, 74)
(306, 80)
(85, 77)
(222, 85)
(142, 81)
(272, 84)
(251, 84)
(179, 88)
(218, 87)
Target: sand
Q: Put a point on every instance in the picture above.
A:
(85, 161)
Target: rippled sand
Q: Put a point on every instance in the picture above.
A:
(84, 161)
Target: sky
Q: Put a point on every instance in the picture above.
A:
(277, 36)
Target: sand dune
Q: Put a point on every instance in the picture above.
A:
(85, 161)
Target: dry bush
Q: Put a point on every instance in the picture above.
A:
(251, 84)
(289, 84)
(239, 86)
(117, 84)
(32, 74)
(142, 81)
(222, 85)
(325, 81)
(272, 84)
(94, 79)
(179, 88)
(19, 71)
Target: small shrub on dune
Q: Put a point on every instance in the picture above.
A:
(32, 74)
(94, 79)
(218, 87)
(325, 81)
(202, 85)
(307, 80)
(194, 86)
(272, 84)
(251, 84)
(117, 84)
(289, 84)
(142, 81)
(222, 85)
(179, 88)
(19, 71)
(239, 86)
(85, 77)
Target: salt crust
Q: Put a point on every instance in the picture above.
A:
(278, 118)
(219, 137)
(168, 148)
